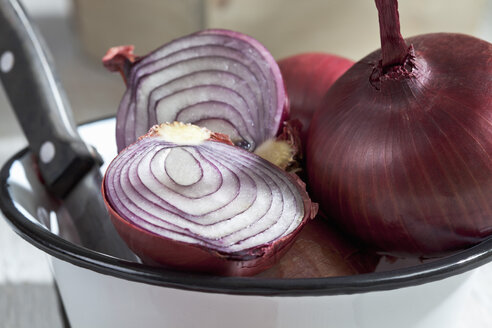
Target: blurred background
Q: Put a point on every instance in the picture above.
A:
(78, 33)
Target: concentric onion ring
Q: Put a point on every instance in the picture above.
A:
(223, 80)
(205, 206)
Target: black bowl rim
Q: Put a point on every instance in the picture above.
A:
(60, 248)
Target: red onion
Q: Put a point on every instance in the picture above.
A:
(223, 80)
(320, 250)
(182, 197)
(307, 78)
(400, 151)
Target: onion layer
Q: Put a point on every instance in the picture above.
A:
(223, 80)
(400, 153)
(202, 205)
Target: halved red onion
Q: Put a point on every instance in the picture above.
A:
(180, 199)
(223, 80)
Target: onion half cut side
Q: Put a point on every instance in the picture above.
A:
(182, 197)
(219, 79)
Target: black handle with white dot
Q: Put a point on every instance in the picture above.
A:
(39, 102)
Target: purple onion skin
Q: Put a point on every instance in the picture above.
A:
(307, 78)
(400, 155)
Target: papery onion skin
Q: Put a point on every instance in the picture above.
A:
(120, 59)
(401, 156)
(153, 248)
(319, 251)
(307, 77)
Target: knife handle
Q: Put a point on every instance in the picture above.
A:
(39, 102)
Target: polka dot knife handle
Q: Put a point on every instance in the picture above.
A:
(39, 102)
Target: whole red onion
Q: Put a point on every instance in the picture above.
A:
(307, 78)
(400, 152)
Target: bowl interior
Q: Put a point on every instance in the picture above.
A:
(51, 224)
